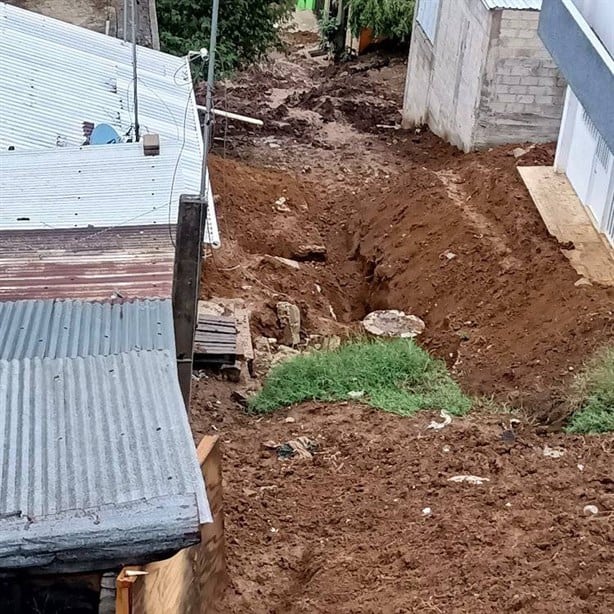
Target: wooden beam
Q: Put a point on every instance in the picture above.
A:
(186, 284)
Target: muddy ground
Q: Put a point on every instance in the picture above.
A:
(410, 223)
(346, 531)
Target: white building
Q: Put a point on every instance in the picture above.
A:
(479, 75)
(580, 36)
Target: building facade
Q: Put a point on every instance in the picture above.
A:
(479, 75)
(580, 36)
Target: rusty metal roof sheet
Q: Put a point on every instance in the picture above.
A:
(98, 466)
(67, 329)
(92, 264)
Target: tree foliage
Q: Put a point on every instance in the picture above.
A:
(247, 28)
(387, 18)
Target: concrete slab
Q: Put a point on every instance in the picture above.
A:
(567, 219)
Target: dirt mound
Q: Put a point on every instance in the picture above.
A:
(265, 215)
(346, 531)
(460, 244)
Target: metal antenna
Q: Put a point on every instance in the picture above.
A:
(209, 100)
(137, 130)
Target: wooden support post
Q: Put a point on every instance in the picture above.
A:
(186, 284)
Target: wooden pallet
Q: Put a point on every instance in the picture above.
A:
(215, 341)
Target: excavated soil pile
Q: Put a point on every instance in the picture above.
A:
(457, 240)
(348, 530)
(454, 239)
(265, 216)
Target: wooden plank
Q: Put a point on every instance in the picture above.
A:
(569, 221)
(245, 348)
(213, 337)
(186, 279)
(192, 581)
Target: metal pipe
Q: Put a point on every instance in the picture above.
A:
(229, 115)
(204, 180)
(137, 131)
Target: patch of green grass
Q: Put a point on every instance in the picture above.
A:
(595, 393)
(396, 376)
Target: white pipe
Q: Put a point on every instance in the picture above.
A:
(229, 115)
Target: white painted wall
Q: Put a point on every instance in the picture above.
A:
(600, 16)
(426, 15)
(588, 163)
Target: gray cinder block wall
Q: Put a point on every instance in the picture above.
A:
(487, 79)
(522, 90)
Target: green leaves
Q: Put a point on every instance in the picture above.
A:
(248, 29)
(387, 18)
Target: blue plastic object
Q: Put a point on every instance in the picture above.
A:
(103, 134)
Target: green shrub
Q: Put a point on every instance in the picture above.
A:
(390, 19)
(248, 29)
(395, 376)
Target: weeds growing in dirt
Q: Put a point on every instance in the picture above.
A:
(595, 389)
(396, 376)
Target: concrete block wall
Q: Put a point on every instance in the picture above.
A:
(522, 90)
(417, 83)
(444, 80)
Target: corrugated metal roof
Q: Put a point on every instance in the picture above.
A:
(79, 188)
(527, 5)
(97, 452)
(67, 329)
(55, 76)
(94, 264)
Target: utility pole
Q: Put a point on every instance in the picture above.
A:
(191, 224)
(186, 277)
(209, 97)
(137, 130)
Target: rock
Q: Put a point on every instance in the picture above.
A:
(518, 152)
(262, 344)
(309, 252)
(393, 323)
(583, 282)
(549, 452)
(290, 420)
(281, 206)
(448, 255)
(285, 262)
(468, 479)
(290, 318)
(427, 511)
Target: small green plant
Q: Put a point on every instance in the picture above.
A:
(329, 30)
(396, 376)
(392, 19)
(595, 396)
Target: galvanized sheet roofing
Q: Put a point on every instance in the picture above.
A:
(67, 329)
(533, 5)
(96, 449)
(55, 76)
(106, 185)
